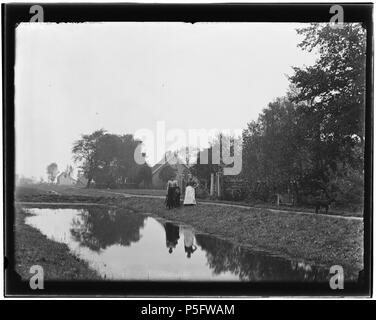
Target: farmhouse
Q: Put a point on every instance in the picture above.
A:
(65, 179)
(172, 160)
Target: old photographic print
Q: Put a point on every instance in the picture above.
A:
(172, 152)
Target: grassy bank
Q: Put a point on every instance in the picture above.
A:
(33, 248)
(316, 239)
(256, 204)
(38, 190)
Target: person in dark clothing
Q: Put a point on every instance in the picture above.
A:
(170, 197)
(176, 194)
(172, 236)
(173, 194)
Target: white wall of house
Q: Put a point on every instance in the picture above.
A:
(65, 179)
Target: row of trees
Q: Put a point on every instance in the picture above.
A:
(312, 140)
(108, 159)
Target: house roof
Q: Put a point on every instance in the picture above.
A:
(165, 160)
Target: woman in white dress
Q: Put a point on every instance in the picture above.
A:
(190, 196)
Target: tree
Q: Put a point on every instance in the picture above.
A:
(144, 175)
(106, 158)
(313, 139)
(334, 88)
(107, 173)
(128, 168)
(115, 158)
(85, 151)
(273, 149)
(331, 97)
(52, 172)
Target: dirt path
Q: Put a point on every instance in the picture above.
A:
(128, 195)
(32, 203)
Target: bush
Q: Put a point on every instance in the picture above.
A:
(350, 190)
(235, 194)
(202, 192)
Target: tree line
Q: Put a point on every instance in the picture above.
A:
(108, 159)
(312, 140)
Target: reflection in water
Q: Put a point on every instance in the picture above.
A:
(121, 244)
(172, 236)
(223, 256)
(189, 239)
(97, 229)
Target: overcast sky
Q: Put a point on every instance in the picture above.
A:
(76, 78)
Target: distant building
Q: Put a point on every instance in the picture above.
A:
(65, 179)
(172, 160)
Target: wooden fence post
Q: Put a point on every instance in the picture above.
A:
(219, 191)
(212, 184)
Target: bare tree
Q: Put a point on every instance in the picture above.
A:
(52, 172)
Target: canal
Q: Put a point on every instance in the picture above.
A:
(120, 244)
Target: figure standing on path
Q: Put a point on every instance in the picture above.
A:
(176, 193)
(170, 194)
(190, 193)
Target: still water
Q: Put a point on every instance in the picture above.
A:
(123, 245)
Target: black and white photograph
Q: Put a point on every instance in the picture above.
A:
(214, 154)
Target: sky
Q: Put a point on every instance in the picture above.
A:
(73, 79)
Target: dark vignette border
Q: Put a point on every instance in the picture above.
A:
(13, 14)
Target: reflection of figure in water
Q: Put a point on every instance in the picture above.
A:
(189, 238)
(172, 236)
